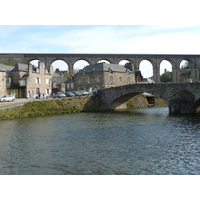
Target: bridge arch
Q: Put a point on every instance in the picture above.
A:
(36, 59)
(146, 68)
(60, 64)
(80, 64)
(50, 61)
(120, 103)
(166, 71)
(104, 60)
(124, 61)
(182, 102)
(197, 106)
(89, 61)
(180, 97)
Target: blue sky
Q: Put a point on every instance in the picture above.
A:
(100, 39)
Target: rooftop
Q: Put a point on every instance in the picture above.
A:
(100, 67)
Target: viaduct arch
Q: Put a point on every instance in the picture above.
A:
(180, 97)
(136, 59)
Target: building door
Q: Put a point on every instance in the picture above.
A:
(37, 91)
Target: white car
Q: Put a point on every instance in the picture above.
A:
(7, 98)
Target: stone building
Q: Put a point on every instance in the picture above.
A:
(24, 81)
(5, 79)
(2, 83)
(100, 76)
(35, 80)
(58, 81)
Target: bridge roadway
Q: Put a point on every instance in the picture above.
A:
(136, 59)
(180, 97)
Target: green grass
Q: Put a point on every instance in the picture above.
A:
(51, 107)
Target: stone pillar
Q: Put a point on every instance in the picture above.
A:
(175, 74)
(71, 67)
(41, 67)
(30, 69)
(176, 70)
(156, 71)
(136, 65)
(195, 71)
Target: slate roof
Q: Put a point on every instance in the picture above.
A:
(21, 67)
(59, 80)
(5, 68)
(100, 67)
(55, 75)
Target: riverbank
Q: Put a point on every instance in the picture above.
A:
(64, 106)
(51, 107)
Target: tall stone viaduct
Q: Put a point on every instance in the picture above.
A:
(180, 97)
(136, 59)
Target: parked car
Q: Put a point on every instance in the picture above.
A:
(77, 93)
(7, 98)
(42, 96)
(84, 93)
(59, 95)
(70, 94)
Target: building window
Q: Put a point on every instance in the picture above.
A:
(37, 80)
(97, 79)
(128, 79)
(120, 79)
(22, 83)
(92, 80)
(47, 81)
(8, 79)
(111, 78)
(54, 85)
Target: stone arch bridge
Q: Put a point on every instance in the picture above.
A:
(135, 59)
(180, 97)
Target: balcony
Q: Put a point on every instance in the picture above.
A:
(12, 85)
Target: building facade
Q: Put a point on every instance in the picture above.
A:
(100, 76)
(25, 81)
(58, 81)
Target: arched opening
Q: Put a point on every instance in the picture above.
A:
(165, 72)
(35, 64)
(146, 69)
(185, 71)
(104, 61)
(123, 62)
(182, 102)
(80, 64)
(61, 74)
(138, 100)
(197, 106)
(60, 65)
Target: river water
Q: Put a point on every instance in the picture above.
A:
(142, 141)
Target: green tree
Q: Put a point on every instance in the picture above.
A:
(166, 77)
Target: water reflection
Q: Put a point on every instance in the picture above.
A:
(143, 141)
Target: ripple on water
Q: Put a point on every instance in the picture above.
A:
(142, 141)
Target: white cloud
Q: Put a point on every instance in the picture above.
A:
(123, 39)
